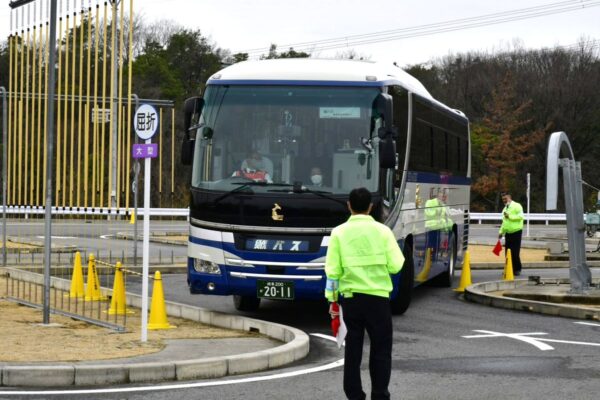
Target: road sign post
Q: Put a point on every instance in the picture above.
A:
(4, 173)
(145, 121)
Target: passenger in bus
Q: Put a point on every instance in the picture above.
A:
(316, 177)
(255, 168)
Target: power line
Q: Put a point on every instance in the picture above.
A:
(435, 28)
(419, 27)
(448, 29)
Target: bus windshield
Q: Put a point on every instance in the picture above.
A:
(320, 138)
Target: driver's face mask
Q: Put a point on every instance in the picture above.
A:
(316, 179)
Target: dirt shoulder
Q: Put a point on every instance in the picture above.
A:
(25, 339)
(483, 254)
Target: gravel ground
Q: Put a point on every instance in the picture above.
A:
(26, 339)
(483, 254)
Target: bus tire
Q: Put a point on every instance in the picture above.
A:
(246, 303)
(446, 278)
(407, 276)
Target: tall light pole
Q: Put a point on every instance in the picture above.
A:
(50, 148)
(115, 101)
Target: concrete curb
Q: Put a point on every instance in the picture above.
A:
(39, 246)
(296, 346)
(531, 265)
(480, 293)
(154, 238)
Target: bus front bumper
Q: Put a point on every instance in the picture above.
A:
(308, 285)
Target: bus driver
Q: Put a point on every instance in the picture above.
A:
(256, 168)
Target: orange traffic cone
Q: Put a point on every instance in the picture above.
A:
(77, 288)
(117, 303)
(158, 311)
(92, 291)
(424, 274)
(465, 275)
(508, 268)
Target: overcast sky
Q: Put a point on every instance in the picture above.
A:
(241, 25)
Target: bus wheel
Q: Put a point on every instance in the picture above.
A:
(407, 276)
(445, 278)
(245, 303)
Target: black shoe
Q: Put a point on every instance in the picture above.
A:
(517, 273)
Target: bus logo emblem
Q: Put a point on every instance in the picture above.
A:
(275, 215)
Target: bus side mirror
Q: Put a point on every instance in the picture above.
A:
(192, 108)
(187, 151)
(387, 153)
(384, 105)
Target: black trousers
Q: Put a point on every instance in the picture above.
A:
(513, 242)
(373, 314)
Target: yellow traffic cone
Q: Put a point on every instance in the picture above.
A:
(465, 275)
(77, 289)
(117, 303)
(508, 268)
(132, 219)
(424, 274)
(158, 311)
(92, 291)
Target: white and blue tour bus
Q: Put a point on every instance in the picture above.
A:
(277, 145)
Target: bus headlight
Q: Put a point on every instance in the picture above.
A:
(206, 267)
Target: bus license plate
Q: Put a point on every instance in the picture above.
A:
(275, 290)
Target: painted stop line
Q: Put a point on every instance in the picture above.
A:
(529, 337)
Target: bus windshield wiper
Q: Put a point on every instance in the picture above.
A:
(303, 189)
(246, 185)
(243, 186)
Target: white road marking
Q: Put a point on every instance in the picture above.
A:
(524, 337)
(517, 336)
(587, 323)
(325, 367)
(106, 236)
(59, 237)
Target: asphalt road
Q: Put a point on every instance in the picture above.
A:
(432, 357)
(98, 237)
(444, 348)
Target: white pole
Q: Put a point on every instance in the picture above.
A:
(146, 247)
(528, 199)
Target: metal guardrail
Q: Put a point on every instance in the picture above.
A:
(544, 217)
(100, 211)
(184, 212)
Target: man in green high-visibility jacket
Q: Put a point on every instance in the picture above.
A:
(512, 229)
(362, 254)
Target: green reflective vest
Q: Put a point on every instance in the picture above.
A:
(514, 222)
(436, 215)
(362, 254)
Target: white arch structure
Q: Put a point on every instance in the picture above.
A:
(579, 272)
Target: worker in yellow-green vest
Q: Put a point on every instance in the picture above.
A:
(436, 221)
(362, 254)
(512, 229)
